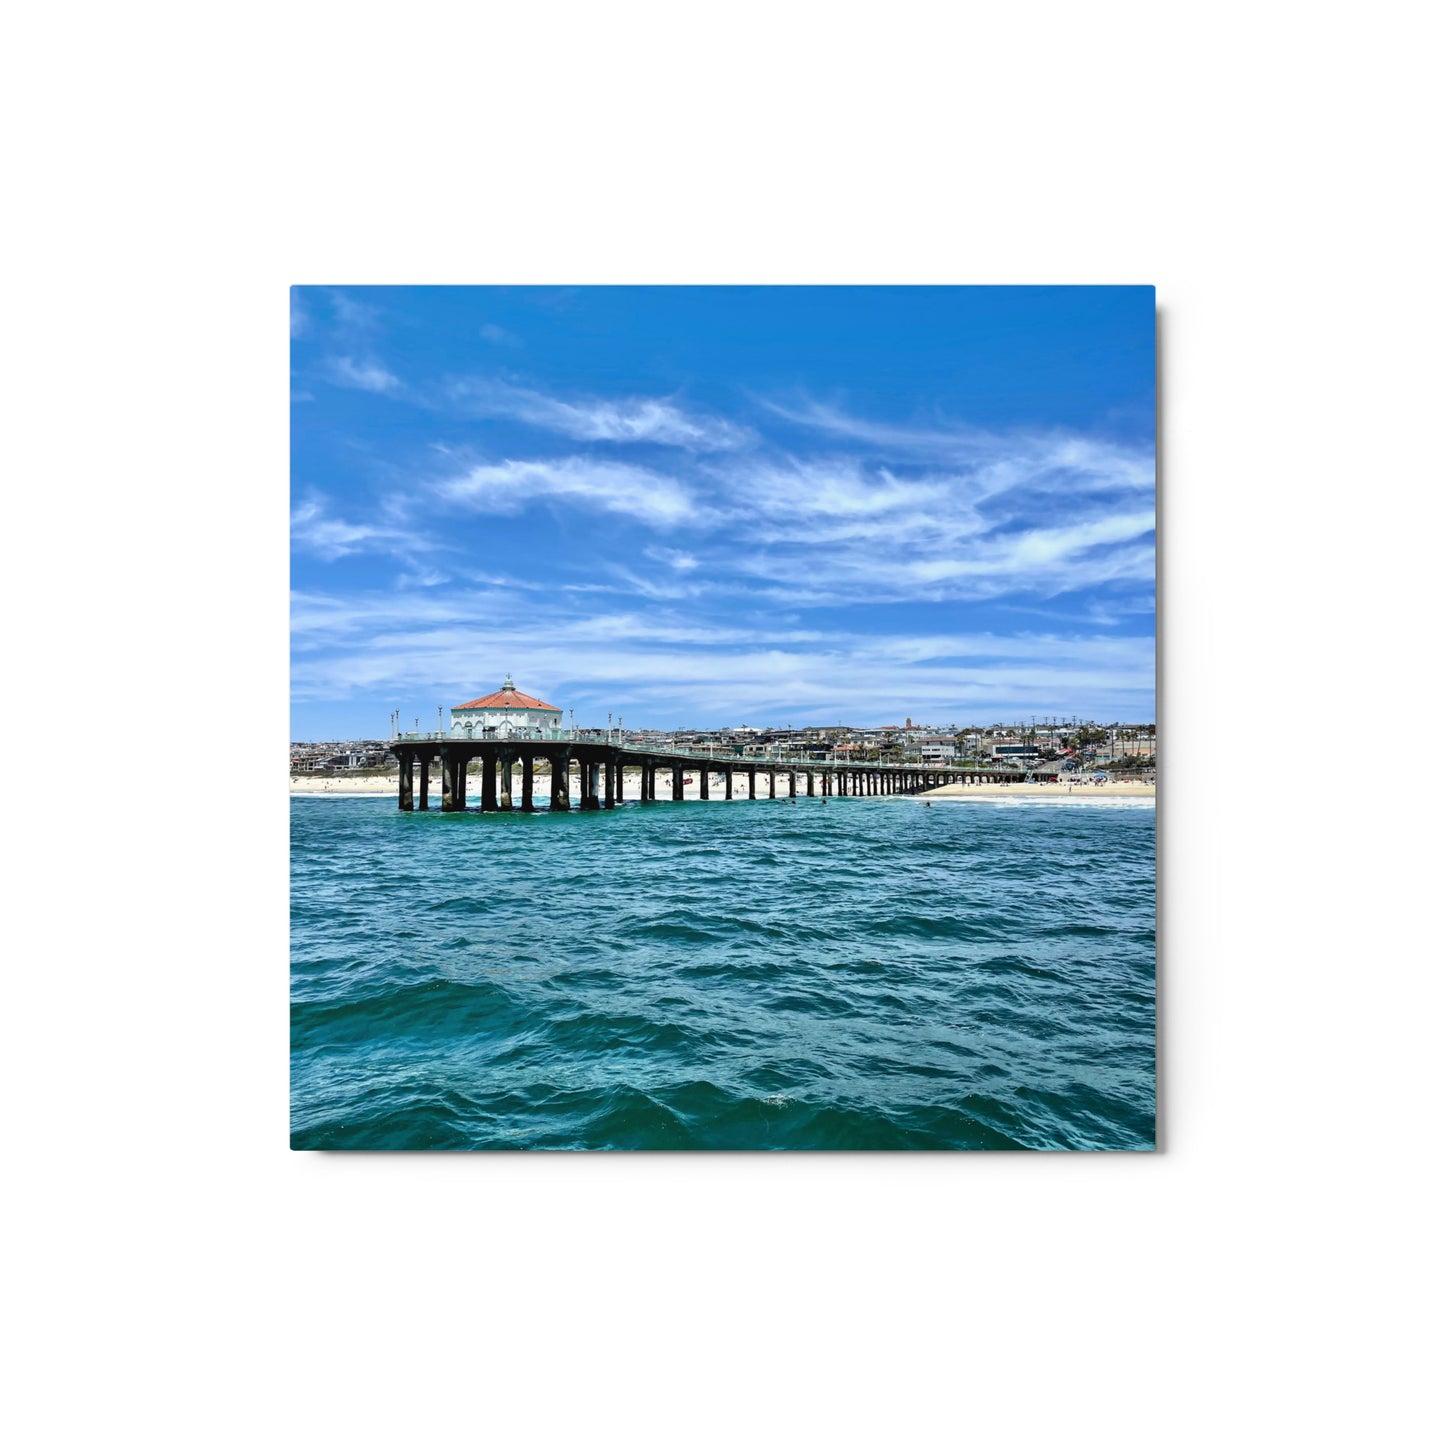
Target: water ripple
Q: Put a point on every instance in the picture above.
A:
(868, 975)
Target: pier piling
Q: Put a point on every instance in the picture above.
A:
(602, 769)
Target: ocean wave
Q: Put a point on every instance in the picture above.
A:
(728, 978)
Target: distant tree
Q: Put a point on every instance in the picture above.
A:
(1132, 763)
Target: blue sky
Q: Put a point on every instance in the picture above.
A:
(723, 505)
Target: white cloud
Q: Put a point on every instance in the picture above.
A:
(678, 561)
(951, 441)
(423, 577)
(1002, 460)
(353, 317)
(839, 530)
(509, 486)
(898, 515)
(625, 419)
(360, 375)
(314, 529)
(843, 529)
(834, 489)
(664, 666)
(499, 335)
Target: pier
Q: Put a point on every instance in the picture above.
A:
(437, 767)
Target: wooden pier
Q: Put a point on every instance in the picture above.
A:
(599, 768)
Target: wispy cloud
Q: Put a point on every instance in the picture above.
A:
(509, 486)
(352, 317)
(595, 419)
(315, 529)
(499, 335)
(678, 561)
(347, 333)
(953, 441)
(1070, 461)
(712, 581)
(361, 375)
(671, 666)
(423, 577)
(1027, 516)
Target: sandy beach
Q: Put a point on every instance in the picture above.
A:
(339, 787)
(311, 785)
(985, 791)
(344, 787)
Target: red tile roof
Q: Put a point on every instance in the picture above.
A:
(508, 697)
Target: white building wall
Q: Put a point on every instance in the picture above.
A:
(517, 719)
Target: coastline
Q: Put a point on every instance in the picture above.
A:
(386, 788)
(986, 791)
(345, 787)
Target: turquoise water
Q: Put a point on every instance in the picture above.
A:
(865, 974)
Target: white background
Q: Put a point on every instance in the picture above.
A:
(175, 1273)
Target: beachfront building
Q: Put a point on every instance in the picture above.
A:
(940, 749)
(1015, 749)
(505, 713)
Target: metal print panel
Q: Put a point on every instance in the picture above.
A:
(723, 717)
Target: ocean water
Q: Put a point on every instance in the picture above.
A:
(869, 974)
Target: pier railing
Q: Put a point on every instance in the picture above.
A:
(730, 759)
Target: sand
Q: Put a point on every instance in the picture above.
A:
(1120, 789)
(341, 787)
(344, 787)
(631, 787)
